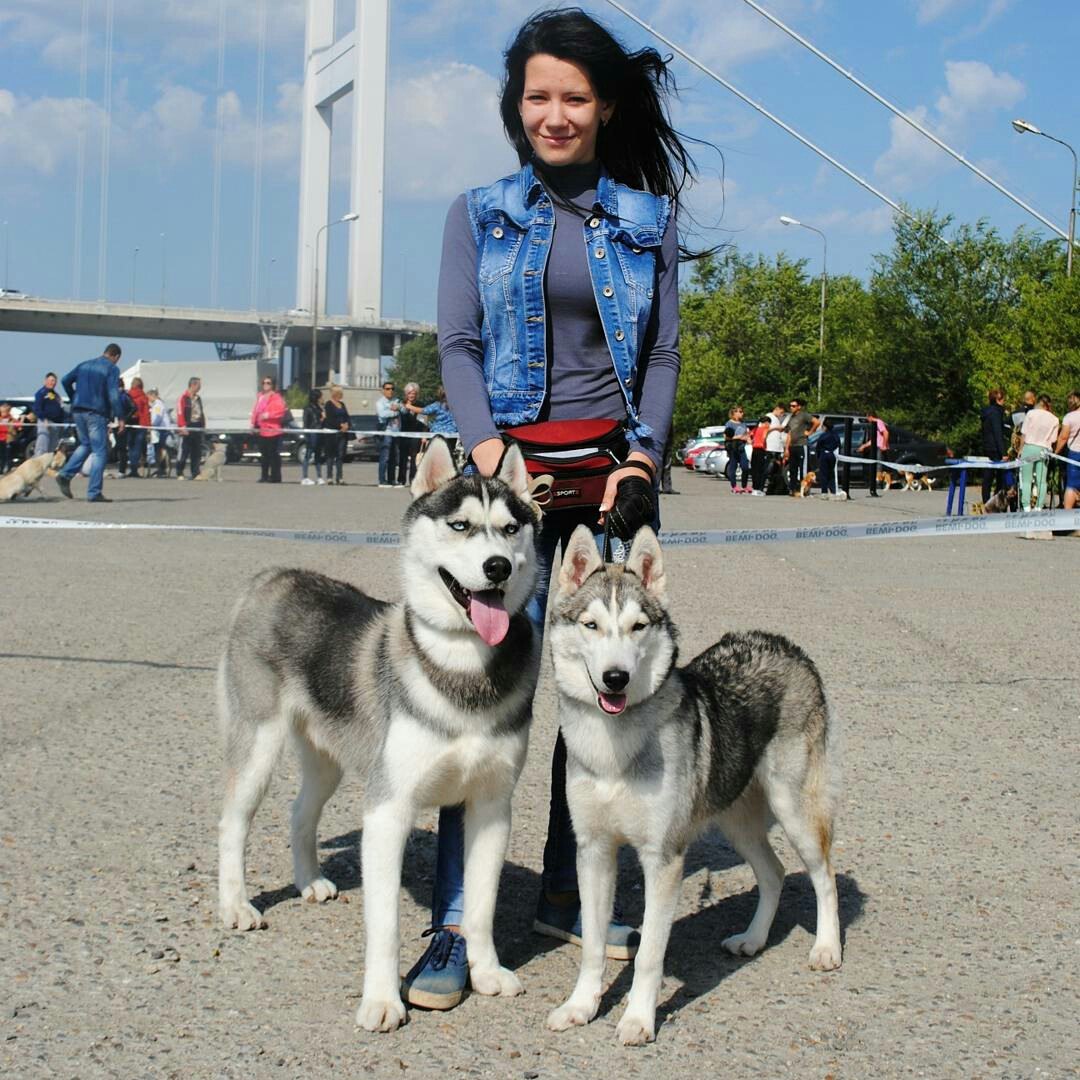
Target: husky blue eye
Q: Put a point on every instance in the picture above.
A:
(511, 528)
(589, 625)
(458, 526)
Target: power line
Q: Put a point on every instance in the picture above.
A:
(920, 128)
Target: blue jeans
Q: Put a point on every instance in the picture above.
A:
(736, 462)
(312, 453)
(827, 472)
(560, 849)
(385, 450)
(92, 429)
(136, 449)
(48, 438)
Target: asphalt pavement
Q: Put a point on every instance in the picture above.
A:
(950, 663)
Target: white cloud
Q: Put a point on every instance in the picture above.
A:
(444, 133)
(40, 134)
(928, 11)
(973, 92)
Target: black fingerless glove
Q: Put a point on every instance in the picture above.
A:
(634, 507)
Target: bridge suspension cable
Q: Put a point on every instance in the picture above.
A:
(920, 128)
(106, 136)
(256, 194)
(80, 158)
(219, 140)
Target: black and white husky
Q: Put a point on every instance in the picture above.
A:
(428, 700)
(739, 737)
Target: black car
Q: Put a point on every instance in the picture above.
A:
(905, 447)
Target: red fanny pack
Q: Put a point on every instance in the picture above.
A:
(569, 460)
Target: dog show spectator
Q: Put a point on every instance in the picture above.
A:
(388, 413)
(759, 454)
(828, 446)
(159, 434)
(49, 411)
(313, 450)
(191, 420)
(267, 421)
(335, 419)
(736, 436)
(1068, 445)
(8, 424)
(774, 443)
(1037, 435)
(407, 447)
(137, 435)
(994, 442)
(800, 426)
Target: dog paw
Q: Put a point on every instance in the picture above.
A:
(742, 945)
(495, 982)
(242, 916)
(319, 890)
(572, 1014)
(825, 956)
(636, 1030)
(381, 1014)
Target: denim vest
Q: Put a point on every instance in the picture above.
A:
(513, 222)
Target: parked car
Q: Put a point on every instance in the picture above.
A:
(363, 449)
(713, 462)
(691, 455)
(905, 447)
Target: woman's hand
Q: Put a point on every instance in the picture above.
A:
(644, 468)
(487, 455)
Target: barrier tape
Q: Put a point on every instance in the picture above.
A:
(284, 431)
(983, 525)
(974, 464)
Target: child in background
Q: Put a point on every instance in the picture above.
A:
(758, 455)
(828, 443)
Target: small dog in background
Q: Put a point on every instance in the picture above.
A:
(885, 479)
(1001, 502)
(25, 478)
(806, 486)
(915, 481)
(212, 467)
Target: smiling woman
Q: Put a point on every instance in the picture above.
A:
(558, 305)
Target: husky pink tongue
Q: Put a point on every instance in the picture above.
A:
(489, 616)
(612, 703)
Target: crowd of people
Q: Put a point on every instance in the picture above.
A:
(1028, 435)
(151, 440)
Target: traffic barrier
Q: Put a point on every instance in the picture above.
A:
(985, 525)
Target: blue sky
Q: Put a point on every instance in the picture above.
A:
(965, 67)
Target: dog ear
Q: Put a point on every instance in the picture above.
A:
(579, 560)
(435, 470)
(512, 472)
(647, 563)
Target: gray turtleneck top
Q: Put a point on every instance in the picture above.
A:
(581, 379)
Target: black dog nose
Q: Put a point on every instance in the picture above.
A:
(497, 568)
(616, 680)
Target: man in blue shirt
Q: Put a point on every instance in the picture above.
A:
(94, 391)
(49, 411)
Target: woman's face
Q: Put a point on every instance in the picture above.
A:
(410, 394)
(560, 111)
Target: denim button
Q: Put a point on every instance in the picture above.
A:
(619, 335)
(497, 232)
(599, 253)
(636, 251)
(594, 223)
(629, 381)
(608, 290)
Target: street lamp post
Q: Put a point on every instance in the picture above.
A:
(1021, 127)
(824, 277)
(351, 216)
(134, 265)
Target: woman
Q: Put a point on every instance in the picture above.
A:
(336, 420)
(440, 420)
(536, 325)
(267, 419)
(407, 446)
(737, 435)
(1068, 445)
(1037, 435)
(8, 428)
(313, 418)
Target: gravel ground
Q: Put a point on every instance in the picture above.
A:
(956, 845)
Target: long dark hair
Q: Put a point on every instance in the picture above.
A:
(638, 146)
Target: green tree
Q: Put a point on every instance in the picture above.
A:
(418, 361)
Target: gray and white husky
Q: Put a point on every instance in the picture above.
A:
(738, 737)
(428, 700)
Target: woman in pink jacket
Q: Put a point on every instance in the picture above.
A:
(267, 421)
